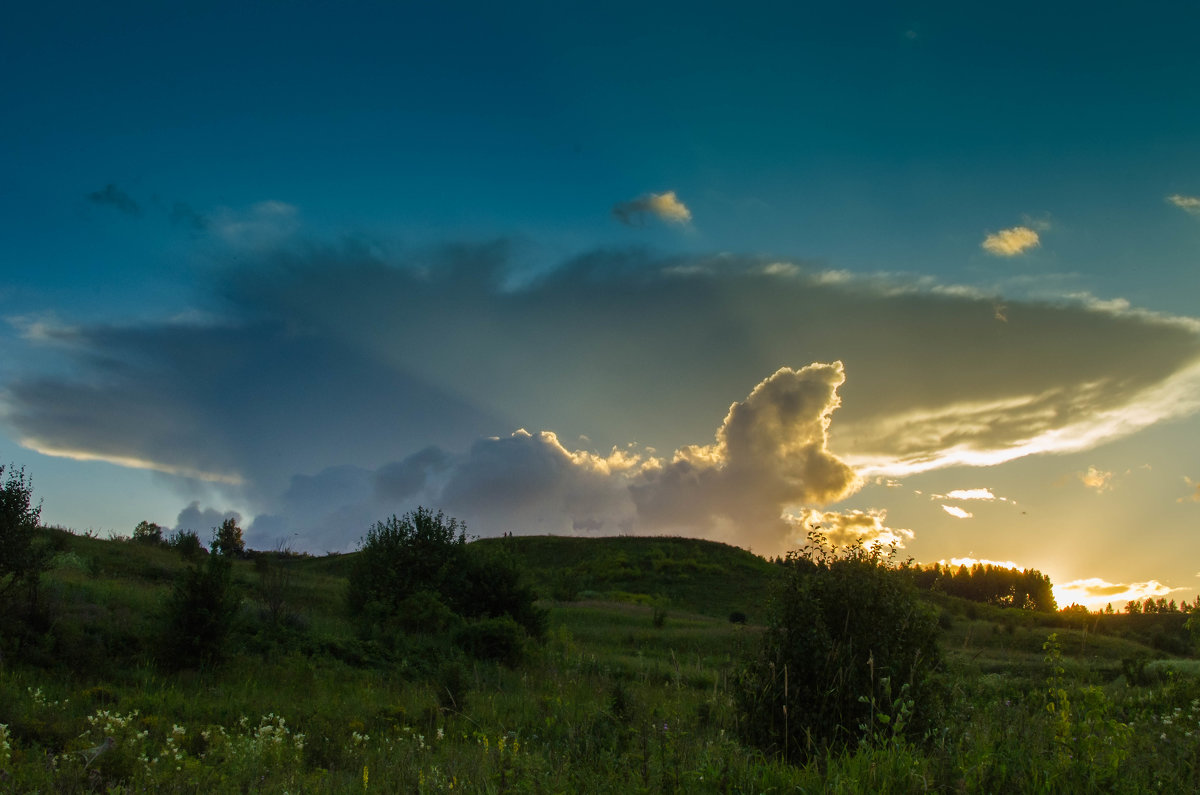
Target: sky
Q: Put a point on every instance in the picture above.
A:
(922, 273)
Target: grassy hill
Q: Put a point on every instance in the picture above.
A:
(689, 574)
(611, 701)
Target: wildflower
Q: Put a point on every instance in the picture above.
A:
(364, 778)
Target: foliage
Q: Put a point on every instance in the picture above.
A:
(418, 572)
(1027, 589)
(849, 647)
(401, 555)
(22, 559)
(187, 543)
(200, 614)
(607, 704)
(148, 533)
(227, 539)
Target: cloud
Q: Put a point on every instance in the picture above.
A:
(116, 198)
(203, 520)
(1195, 495)
(1189, 204)
(769, 454)
(849, 527)
(663, 206)
(1011, 242)
(1097, 480)
(418, 370)
(1094, 593)
(264, 226)
(969, 494)
(957, 512)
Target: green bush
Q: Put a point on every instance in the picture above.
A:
(199, 615)
(500, 639)
(148, 533)
(848, 656)
(420, 551)
(22, 559)
(187, 543)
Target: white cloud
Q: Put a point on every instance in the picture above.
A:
(969, 494)
(1189, 204)
(263, 226)
(957, 512)
(1011, 242)
(663, 206)
(1097, 480)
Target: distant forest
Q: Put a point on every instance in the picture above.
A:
(1027, 589)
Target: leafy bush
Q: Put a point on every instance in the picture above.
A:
(500, 639)
(148, 533)
(187, 543)
(417, 573)
(848, 655)
(199, 614)
(22, 560)
(420, 551)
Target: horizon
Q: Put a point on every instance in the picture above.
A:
(921, 276)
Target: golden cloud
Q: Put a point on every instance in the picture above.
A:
(1011, 242)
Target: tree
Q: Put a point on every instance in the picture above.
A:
(227, 539)
(148, 533)
(200, 613)
(22, 560)
(848, 655)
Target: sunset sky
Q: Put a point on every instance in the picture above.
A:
(922, 272)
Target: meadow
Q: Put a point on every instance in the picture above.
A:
(633, 689)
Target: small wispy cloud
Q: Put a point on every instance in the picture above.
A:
(663, 206)
(1011, 242)
(957, 512)
(1195, 495)
(971, 494)
(116, 198)
(1189, 204)
(1097, 480)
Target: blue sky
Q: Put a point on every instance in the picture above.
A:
(315, 266)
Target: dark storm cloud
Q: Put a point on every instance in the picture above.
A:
(415, 374)
(113, 196)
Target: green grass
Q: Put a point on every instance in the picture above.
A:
(610, 702)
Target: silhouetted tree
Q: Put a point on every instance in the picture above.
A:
(227, 539)
(22, 559)
(148, 533)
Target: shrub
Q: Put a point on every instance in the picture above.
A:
(737, 617)
(500, 639)
(420, 551)
(417, 572)
(22, 559)
(199, 614)
(148, 533)
(848, 655)
(187, 543)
